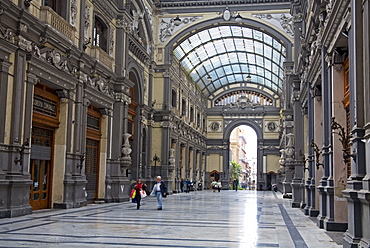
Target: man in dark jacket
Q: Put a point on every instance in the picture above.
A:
(160, 191)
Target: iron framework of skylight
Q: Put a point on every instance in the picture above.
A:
(225, 55)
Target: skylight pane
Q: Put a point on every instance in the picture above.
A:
(187, 65)
(268, 64)
(258, 48)
(217, 84)
(277, 45)
(249, 47)
(224, 59)
(267, 51)
(228, 69)
(195, 41)
(207, 64)
(225, 31)
(237, 31)
(186, 46)
(251, 58)
(220, 72)
(229, 44)
(233, 58)
(210, 49)
(215, 33)
(219, 46)
(193, 58)
(179, 53)
(201, 71)
(204, 36)
(239, 77)
(239, 44)
(257, 35)
(231, 78)
(259, 60)
(267, 39)
(268, 75)
(216, 62)
(195, 75)
(201, 53)
(236, 68)
(247, 32)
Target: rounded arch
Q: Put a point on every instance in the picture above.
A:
(138, 80)
(235, 123)
(227, 53)
(219, 21)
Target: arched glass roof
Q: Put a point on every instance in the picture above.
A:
(229, 54)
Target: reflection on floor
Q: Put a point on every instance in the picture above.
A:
(198, 219)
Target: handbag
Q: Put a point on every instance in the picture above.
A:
(143, 193)
(133, 193)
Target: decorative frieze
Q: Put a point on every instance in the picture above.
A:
(168, 26)
(283, 21)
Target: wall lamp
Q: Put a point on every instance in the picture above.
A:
(317, 152)
(343, 138)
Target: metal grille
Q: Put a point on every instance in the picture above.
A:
(41, 137)
(91, 168)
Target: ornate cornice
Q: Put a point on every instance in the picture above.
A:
(194, 3)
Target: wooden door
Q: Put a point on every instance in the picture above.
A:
(39, 193)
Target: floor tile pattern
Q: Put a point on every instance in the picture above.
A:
(197, 219)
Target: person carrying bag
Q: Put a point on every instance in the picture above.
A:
(140, 192)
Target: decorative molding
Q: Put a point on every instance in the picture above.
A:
(242, 103)
(111, 42)
(284, 21)
(87, 21)
(23, 27)
(106, 9)
(167, 26)
(120, 23)
(7, 34)
(24, 44)
(73, 12)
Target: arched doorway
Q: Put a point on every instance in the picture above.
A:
(255, 130)
(243, 157)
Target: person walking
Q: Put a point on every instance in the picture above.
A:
(160, 190)
(214, 185)
(219, 186)
(139, 186)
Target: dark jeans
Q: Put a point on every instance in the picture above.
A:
(138, 200)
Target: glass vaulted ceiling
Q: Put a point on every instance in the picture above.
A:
(229, 54)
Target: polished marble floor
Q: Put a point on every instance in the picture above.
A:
(197, 219)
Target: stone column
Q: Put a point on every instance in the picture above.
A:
(364, 194)
(14, 176)
(74, 178)
(298, 179)
(117, 180)
(355, 229)
(326, 139)
(310, 208)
